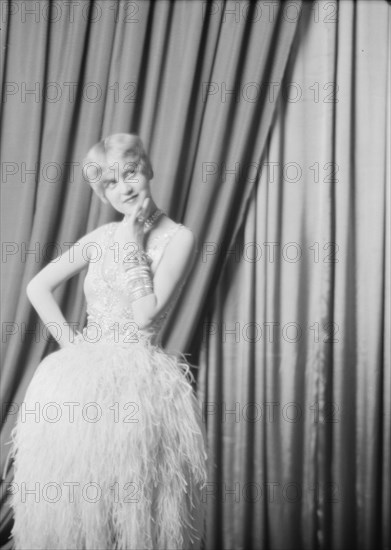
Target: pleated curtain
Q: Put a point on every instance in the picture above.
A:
(268, 130)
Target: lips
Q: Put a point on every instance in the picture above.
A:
(131, 198)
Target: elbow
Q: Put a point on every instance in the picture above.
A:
(32, 289)
(29, 289)
(144, 323)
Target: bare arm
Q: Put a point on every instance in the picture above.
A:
(40, 288)
(172, 272)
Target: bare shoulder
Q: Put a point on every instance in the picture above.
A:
(183, 244)
(180, 240)
(168, 228)
(187, 236)
(179, 254)
(183, 235)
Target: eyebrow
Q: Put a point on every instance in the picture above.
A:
(106, 179)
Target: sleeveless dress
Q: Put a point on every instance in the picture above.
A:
(109, 448)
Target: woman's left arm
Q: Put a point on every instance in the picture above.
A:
(172, 272)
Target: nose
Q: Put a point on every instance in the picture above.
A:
(125, 185)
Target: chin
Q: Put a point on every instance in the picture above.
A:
(128, 207)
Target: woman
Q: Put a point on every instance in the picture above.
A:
(115, 450)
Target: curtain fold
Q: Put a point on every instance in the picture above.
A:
(295, 361)
(268, 130)
(165, 71)
(240, 95)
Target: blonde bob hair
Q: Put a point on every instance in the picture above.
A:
(127, 147)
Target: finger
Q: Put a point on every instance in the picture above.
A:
(140, 217)
(136, 212)
(146, 205)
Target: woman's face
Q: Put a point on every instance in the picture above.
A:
(126, 186)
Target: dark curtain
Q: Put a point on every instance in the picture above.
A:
(295, 346)
(207, 86)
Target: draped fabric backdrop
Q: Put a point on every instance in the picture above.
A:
(268, 128)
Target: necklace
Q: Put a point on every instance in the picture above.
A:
(149, 222)
(152, 218)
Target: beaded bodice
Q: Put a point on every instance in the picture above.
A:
(109, 310)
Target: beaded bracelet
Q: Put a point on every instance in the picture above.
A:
(139, 281)
(135, 259)
(140, 293)
(136, 273)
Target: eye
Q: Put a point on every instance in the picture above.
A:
(110, 184)
(130, 171)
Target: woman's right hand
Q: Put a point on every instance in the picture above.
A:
(130, 232)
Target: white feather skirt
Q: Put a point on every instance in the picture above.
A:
(109, 452)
